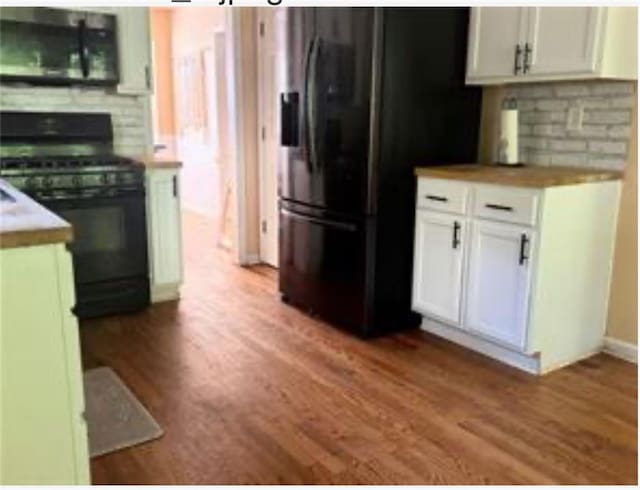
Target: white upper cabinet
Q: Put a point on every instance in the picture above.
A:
(437, 279)
(527, 44)
(562, 39)
(134, 45)
(494, 35)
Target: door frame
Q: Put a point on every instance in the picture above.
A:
(265, 69)
(233, 25)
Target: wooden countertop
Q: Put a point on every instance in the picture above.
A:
(526, 176)
(24, 222)
(159, 161)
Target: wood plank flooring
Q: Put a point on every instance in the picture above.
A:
(249, 390)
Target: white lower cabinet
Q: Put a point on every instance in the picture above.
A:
(164, 233)
(497, 288)
(519, 274)
(437, 280)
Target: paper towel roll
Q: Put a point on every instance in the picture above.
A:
(508, 148)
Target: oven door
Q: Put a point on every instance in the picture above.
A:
(109, 251)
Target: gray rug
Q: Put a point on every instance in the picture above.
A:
(115, 417)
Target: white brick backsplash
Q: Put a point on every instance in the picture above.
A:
(569, 159)
(571, 90)
(552, 105)
(608, 117)
(610, 163)
(595, 103)
(533, 91)
(536, 143)
(622, 102)
(590, 131)
(606, 126)
(127, 111)
(619, 132)
(568, 145)
(613, 88)
(608, 147)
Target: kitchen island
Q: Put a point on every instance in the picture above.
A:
(43, 434)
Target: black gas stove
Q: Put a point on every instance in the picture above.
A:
(66, 162)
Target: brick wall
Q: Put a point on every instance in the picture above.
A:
(604, 139)
(127, 111)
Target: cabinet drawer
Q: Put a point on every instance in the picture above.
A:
(503, 204)
(442, 195)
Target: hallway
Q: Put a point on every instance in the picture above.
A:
(249, 390)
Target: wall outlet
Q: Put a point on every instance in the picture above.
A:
(575, 114)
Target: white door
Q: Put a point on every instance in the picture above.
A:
(494, 35)
(271, 66)
(497, 296)
(437, 271)
(134, 45)
(165, 237)
(563, 40)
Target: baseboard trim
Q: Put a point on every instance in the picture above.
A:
(621, 349)
(530, 364)
(251, 259)
(165, 292)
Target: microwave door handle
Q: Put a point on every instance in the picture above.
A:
(82, 45)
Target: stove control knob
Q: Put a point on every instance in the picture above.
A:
(75, 180)
(47, 181)
(30, 183)
(103, 179)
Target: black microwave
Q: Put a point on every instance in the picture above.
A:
(55, 46)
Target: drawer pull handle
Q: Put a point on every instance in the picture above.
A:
(524, 245)
(499, 207)
(456, 235)
(436, 198)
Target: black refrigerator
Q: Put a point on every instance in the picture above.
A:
(370, 94)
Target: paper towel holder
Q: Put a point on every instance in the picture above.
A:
(508, 141)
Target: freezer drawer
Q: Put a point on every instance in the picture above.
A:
(322, 264)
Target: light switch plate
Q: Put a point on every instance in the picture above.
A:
(575, 114)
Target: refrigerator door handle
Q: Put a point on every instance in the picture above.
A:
(321, 221)
(312, 111)
(305, 102)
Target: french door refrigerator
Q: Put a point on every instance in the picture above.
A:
(370, 94)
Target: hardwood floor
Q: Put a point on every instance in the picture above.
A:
(249, 390)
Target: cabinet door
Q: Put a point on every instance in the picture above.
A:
(563, 40)
(497, 296)
(163, 210)
(494, 34)
(437, 268)
(134, 45)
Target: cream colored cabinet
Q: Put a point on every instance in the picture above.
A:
(526, 44)
(437, 279)
(164, 232)
(495, 35)
(43, 433)
(500, 264)
(520, 274)
(134, 44)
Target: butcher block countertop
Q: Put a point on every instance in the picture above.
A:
(525, 176)
(159, 161)
(24, 222)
